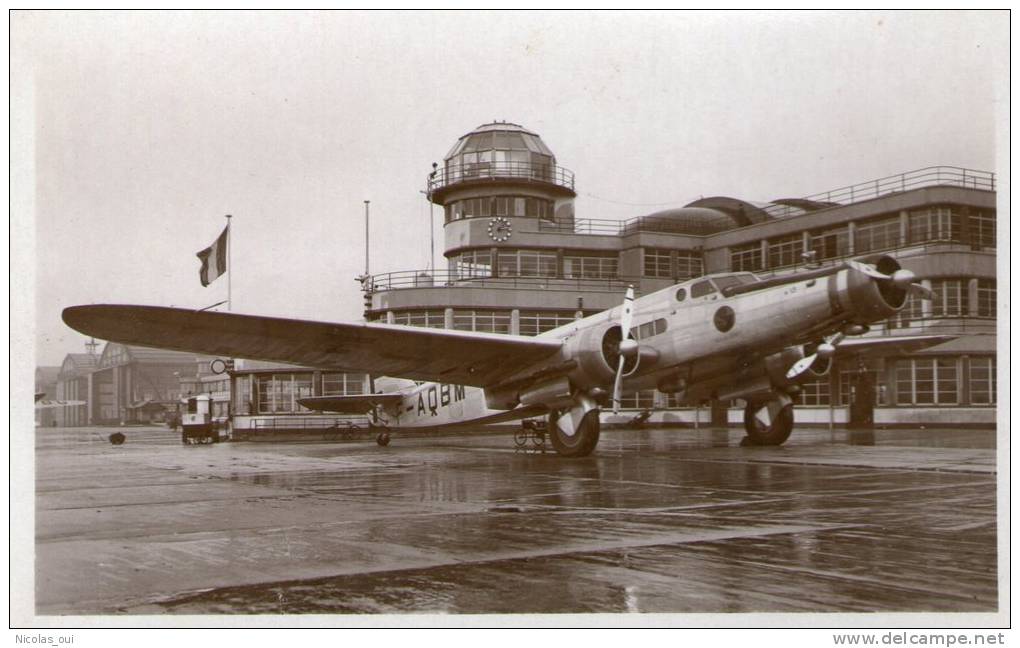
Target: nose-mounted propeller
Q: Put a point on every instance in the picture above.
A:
(628, 346)
(903, 279)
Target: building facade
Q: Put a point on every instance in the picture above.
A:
(519, 261)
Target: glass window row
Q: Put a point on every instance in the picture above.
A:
(492, 206)
(922, 226)
(918, 382)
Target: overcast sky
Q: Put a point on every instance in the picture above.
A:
(147, 128)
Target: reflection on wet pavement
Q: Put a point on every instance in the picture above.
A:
(655, 521)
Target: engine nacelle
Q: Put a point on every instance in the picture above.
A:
(866, 299)
(769, 374)
(596, 352)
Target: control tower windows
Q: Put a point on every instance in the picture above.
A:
(535, 322)
(527, 263)
(516, 206)
(470, 264)
(590, 266)
(488, 321)
(426, 318)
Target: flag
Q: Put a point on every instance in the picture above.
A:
(214, 259)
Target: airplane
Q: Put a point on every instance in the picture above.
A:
(41, 402)
(724, 336)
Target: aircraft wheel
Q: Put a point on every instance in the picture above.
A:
(584, 439)
(765, 427)
(383, 439)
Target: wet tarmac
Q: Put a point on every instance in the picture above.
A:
(655, 521)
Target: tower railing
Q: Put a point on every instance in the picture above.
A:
(455, 173)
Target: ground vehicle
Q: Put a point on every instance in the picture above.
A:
(197, 424)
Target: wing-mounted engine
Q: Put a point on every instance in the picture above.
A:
(774, 373)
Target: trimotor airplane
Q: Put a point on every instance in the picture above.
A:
(41, 402)
(725, 336)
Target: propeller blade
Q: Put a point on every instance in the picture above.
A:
(825, 350)
(801, 366)
(618, 386)
(871, 271)
(917, 290)
(626, 319)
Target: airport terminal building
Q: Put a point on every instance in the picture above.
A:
(519, 261)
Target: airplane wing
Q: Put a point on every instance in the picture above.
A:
(458, 357)
(353, 404)
(890, 345)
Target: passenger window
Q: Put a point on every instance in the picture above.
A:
(701, 289)
(681, 294)
(660, 326)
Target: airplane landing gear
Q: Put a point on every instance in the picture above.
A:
(575, 432)
(768, 422)
(383, 439)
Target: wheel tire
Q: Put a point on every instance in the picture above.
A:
(583, 441)
(383, 439)
(521, 438)
(767, 435)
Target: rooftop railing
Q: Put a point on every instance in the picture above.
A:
(455, 173)
(936, 176)
(450, 279)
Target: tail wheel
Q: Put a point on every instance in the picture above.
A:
(584, 439)
(383, 439)
(768, 423)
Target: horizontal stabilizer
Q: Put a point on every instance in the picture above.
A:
(354, 404)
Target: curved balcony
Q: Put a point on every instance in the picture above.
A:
(447, 279)
(439, 183)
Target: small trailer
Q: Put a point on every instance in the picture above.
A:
(197, 423)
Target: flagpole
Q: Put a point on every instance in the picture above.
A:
(230, 264)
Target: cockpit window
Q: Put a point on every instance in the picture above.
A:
(701, 289)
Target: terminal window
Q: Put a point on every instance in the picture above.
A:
(986, 297)
(785, 251)
(982, 229)
(746, 258)
(935, 224)
(950, 297)
(982, 380)
(657, 263)
(815, 392)
(927, 381)
(846, 381)
(831, 244)
(877, 235)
